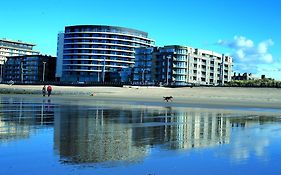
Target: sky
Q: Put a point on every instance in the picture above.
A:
(247, 30)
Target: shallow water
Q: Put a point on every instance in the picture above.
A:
(54, 136)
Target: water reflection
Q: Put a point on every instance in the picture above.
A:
(110, 134)
(96, 134)
(18, 117)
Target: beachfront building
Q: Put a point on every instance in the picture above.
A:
(14, 48)
(181, 65)
(143, 65)
(98, 53)
(30, 69)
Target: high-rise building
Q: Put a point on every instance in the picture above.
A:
(181, 65)
(97, 53)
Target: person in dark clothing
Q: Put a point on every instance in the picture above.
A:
(49, 89)
(44, 90)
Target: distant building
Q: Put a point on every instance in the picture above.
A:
(14, 48)
(181, 65)
(244, 76)
(97, 53)
(30, 68)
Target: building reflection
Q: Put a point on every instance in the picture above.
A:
(19, 117)
(126, 133)
(99, 135)
(184, 130)
(96, 135)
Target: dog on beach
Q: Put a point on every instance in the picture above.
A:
(93, 94)
(167, 99)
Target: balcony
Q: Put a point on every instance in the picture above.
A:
(179, 66)
(179, 72)
(180, 59)
(178, 79)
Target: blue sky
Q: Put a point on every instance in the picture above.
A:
(248, 30)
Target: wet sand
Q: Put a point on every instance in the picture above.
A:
(214, 97)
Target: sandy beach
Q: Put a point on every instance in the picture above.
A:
(197, 96)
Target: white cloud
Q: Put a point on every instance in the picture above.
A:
(263, 46)
(253, 57)
(268, 58)
(244, 50)
(241, 42)
(240, 53)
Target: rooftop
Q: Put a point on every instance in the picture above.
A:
(16, 41)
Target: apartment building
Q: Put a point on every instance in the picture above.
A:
(97, 53)
(30, 68)
(14, 48)
(180, 66)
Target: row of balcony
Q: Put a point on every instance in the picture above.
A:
(100, 43)
(100, 54)
(124, 42)
(144, 42)
(133, 35)
(100, 49)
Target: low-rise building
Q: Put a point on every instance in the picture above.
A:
(181, 65)
(244, 76)
(14, 48)
(30, 68)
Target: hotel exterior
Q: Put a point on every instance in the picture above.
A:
(181, 65)
(97, 53)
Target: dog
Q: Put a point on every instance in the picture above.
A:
(167, 99)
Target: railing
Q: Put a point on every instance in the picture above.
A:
(114, 84)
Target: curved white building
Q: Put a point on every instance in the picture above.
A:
(97, 53)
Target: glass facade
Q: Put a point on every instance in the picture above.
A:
(30, 69)
(94, 53)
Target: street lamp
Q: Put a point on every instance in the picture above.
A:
(142, 75)
(98, 75)
(44, 68)
(1, 73)
(21, 72)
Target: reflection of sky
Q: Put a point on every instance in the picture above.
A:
(252, 142)
(20, 117)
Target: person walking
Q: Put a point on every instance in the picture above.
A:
(49, 89)
(44, 90)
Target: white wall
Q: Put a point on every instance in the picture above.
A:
(60, 44)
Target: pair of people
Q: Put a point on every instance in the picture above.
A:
(49, 90)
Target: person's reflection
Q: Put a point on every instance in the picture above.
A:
(47, 112)
(48, 106)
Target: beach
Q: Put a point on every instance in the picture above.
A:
(196, 96)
